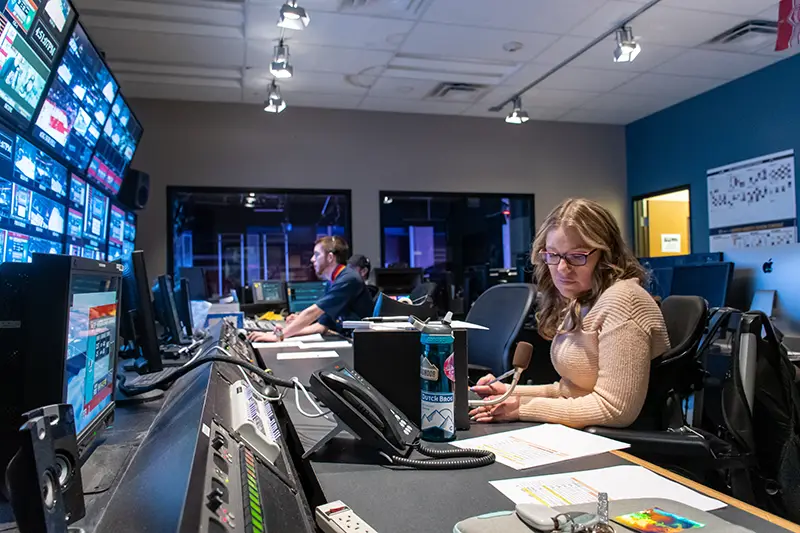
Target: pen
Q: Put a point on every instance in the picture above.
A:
(386, 318)
(498, 378)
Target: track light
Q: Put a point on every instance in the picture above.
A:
(280, 67)
(275, 102)
(518, 116)
(627, 48)
(293, 17)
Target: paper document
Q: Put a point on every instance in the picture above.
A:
(620, 482)
(541, 445)
(284, 344)
(316, 337)
(324, 345)
(307, 355)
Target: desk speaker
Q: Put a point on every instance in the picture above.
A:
(135, 190)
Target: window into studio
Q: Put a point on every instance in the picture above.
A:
(238, 236)
(464, 239)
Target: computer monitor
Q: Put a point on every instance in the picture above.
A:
(169, 312)
(304, 294)
(197, 281)
(65, 345)
(138, 309)
(710, 280)
(499, 276)
(116, 146)
(183, 301)
(394, 281)
(269, 292)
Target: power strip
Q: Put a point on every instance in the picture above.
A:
(336, 517)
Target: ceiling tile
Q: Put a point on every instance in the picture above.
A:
(734, 7)
(771, 13)
(335, 101)
(585, 79)
(306, 57)
(549, 16)
(596, 116)
(175, 49)
(632, 102)
(180, 92)
(526, 74)
(257, 80)
(610, 16)
(602, 56)
(463, 41)
(562, 49)
(681, 27)
(560, 98)
(713, 64)
(399, 105)
(405, 88)
(331, 29)
(663, 84)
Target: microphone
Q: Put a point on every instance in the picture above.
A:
(522, 358)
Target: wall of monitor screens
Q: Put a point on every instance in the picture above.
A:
(67, 137)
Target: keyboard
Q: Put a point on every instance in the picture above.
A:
(259, 325)
(148, 379)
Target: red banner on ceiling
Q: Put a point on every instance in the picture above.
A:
(788, 24)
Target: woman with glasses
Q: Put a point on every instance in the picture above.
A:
(605, 328)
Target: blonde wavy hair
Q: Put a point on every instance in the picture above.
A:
(598, 230)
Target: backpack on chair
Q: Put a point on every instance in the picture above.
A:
(761, 411)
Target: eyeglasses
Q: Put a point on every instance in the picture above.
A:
(574, 259)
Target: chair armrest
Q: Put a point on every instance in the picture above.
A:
(658, 443)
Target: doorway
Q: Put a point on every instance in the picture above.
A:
(662, 223)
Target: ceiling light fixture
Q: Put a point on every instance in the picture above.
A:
(280, 67)
(518, 116)
(627, 48)
(275, 102)
(293, 17)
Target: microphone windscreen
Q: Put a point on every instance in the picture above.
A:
(522, 355)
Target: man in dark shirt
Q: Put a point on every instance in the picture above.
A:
(346, 297)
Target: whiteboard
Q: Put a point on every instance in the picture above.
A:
(752, 239)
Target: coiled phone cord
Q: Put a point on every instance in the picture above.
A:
(445, 459)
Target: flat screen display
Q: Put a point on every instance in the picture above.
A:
(91, 346)
(44, 24)
(77, 105)
(130, 228)
(33, 166)
(22, 209)
(93, 252)
(115, 252)
(96, 215)
(115, 149)
(18, 246)
(116, 226)
(23, 75)
(77, 192)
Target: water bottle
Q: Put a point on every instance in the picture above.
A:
(437, 381)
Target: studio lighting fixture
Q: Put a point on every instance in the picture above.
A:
(293, 17)
(280, 67)
(518, 116)
(275, 102)
(627, 48)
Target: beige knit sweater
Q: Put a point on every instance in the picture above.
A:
(604, 366)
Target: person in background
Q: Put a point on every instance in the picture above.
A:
(362, 265)
(605, 328)
(346, 297)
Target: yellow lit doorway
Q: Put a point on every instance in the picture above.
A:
(662, 224)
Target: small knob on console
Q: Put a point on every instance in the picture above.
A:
(214, 500)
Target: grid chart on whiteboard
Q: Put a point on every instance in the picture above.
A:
(753, 203)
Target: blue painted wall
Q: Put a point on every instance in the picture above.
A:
(749, 117)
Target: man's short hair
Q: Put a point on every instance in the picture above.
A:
(360, 261)
(336, 246)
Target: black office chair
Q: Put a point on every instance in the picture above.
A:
(657, 433)
(422, 292)
(503, 310)
(385, 306)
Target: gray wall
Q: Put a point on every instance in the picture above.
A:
(238, 145)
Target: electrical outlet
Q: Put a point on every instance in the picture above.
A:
(336, 517)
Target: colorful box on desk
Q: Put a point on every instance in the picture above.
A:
(389, 361)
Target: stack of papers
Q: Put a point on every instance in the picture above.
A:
(307, 355)
(620, 482)
(541, 445)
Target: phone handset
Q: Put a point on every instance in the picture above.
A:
(369, 405)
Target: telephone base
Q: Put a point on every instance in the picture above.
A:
(339, 428)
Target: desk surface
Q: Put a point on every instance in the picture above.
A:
(434, 501)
